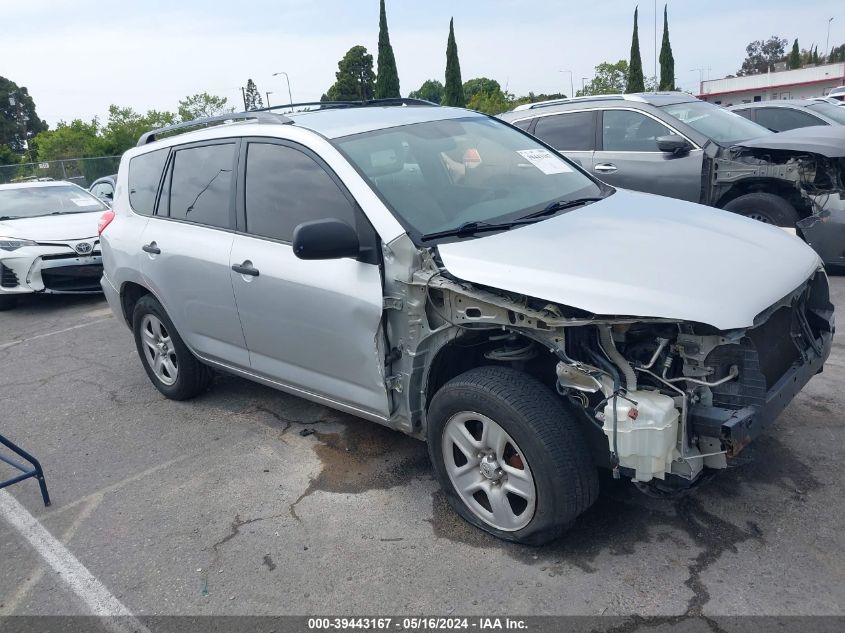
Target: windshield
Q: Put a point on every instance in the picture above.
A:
(715, 122)
(30, 202)
(834, 112)
(439, 175)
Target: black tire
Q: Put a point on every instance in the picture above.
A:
(8, 302)
(192, 377)
(765, 207)
(565, 477)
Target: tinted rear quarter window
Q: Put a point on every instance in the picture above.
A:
(201, 184)
(144, 177)
(285, 187)
(573, 131)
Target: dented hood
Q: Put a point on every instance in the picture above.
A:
(53, 228)
(827, 140)
(637, 254)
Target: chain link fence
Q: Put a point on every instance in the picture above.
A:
(81, 171)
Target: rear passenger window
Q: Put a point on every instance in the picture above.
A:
(285, 187)
(524, 124)
(626, 131)
(573, 131)
(783, 119)
(201, 184)
(144, 176)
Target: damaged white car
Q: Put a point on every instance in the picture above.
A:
(447, 275)
(48, 240)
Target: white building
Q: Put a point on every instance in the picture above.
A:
(802, 83)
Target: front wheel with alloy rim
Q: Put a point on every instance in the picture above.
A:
(170, 365)
(509, 455)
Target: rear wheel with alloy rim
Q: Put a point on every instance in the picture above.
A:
(170, 365)
(510, 457)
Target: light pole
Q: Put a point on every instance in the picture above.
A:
(827, 43)
(287, 79)
(268, 93)
(571, 86)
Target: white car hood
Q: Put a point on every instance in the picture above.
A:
(637, 254)
(53, 228)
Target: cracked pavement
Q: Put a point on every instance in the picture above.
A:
(251, 501)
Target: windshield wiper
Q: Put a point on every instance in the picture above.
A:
(471, 228)
(466, 229)
(560, 205)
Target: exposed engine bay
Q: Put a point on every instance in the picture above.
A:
(660, 400)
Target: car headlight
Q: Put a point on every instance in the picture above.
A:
(13, 244)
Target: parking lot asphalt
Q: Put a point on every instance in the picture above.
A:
(250, 501)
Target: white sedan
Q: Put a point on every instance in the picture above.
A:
(48, 240)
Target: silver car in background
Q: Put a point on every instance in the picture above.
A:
(791, 114)
(444, 274)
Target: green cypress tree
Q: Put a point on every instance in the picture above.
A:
(453, 94)
(815, 56)
(636, 82)
(387, 79)
(667, 60)
(794, 59)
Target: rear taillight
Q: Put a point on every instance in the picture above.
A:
(105, 220)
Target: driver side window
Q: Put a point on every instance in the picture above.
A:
(626, 131)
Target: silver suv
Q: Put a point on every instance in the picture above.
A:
(449, 276)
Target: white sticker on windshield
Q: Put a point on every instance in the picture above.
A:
(545, 161)
(83, 202)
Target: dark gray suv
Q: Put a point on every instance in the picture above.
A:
(675, 145)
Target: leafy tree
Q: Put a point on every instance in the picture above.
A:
(837, 54)
(493, 102)
(761, 56)
(453, 93)
(608, 79)
(667, 60)
(125, 126)
(794, 59)
(7, 156)
(18, 120)
(635, 81)
(816, 55)
(252, 97)
(431, 90)
(479, 85)
(535, 98)
(202, 105)
(76, 139)
(355, 78)
(387, 80)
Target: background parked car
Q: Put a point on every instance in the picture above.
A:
(837, 93)
(103, 188)
(675, 145)
(790, 114)
(48, 240)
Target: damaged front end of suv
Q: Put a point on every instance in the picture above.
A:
(804, 167)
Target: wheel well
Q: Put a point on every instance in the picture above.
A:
(129, 296)
(779, 188)
(470, 351)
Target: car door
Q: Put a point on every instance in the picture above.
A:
(781, 119)
(186, 247)
(571, 133)
(628, 157)
(313, 326)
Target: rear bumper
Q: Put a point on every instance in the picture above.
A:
(112, 295)
(737, 428)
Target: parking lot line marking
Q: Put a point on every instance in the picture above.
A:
(8, 607)
(101, 602)
(46, 334)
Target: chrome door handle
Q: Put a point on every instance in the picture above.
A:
(245, 269)
(151, 248)
(605, 168)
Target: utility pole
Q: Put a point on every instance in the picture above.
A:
(827, 42)
(268, 93)
(243, 93)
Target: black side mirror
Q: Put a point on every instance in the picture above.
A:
(673, 144)
(108, 195)
(325, 239)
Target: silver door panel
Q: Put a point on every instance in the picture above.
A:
(652, 172)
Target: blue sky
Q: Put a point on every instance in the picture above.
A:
(78, 57)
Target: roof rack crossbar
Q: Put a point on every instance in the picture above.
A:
(390, 101)
(258, 116)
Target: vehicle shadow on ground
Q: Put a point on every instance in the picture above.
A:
(46, 303)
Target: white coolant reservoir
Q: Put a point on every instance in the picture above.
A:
(646, 432)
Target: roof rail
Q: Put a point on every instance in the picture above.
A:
(389, 101)
(258, 116)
